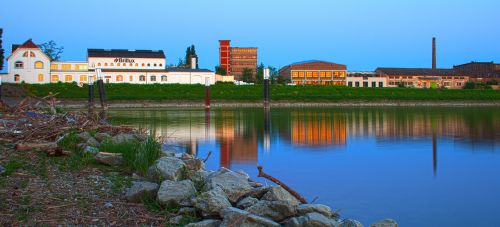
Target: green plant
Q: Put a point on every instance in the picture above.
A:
(119, 182)
(12, 165)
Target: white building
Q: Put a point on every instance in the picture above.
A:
(29, 64)
(365, 79)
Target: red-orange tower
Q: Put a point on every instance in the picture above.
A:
(225, 55)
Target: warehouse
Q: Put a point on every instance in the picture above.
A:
(28, 63)
(315, 72)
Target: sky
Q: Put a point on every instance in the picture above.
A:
(361, 34)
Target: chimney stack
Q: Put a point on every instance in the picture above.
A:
(193, 63)
(433, 52)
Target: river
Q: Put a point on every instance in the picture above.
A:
(425, 166)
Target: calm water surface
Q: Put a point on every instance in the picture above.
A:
(420, 166)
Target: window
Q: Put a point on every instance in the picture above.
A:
(315, 74)
(54, 78)
(83, 78)
(105, 64)
(66, 67)
(40, 77)
(365, 84)
(164, 78)
(309, 74)
(374, 84)
(131, 78)
(295, 74)
(153, 78)
(155, 65)
(161, 65)
(129, 65)
(54, 67)
(357, 84)
(349, 83)
(328, 74)
(322, 74)
(81, 67)
(118, 64)
(68, 78)
(149, 64)
(30, 53)
(142, 78)
(19, 65)
(143, 64)
(380, 84)
(112, 64)
(98, 64)
(119, 78)
(38, 65)
(301, 74)
(136, 64)
(17, 77)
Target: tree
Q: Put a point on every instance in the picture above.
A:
(190, 53)
(247, 75)
(259, 76)
(181, 63)
(51, 49)
(2, 51)
(221, 71)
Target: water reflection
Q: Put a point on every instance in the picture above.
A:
(239, 132)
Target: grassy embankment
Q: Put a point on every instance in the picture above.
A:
(253, 93)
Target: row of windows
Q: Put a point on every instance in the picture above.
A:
(130, 64)
(68, 66)
(415, 77)
(315, 74)
(365, 84)
(20, 65)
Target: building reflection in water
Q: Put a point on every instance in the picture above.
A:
(238, 133)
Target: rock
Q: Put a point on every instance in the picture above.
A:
(211, 202)
(176, 193)
(350, 223)
(166, 168)
(186, 156)
(2, 170)
(194, 164)
(124, 137)
(102, 136)
(236, 217)
(275, 210)
(205, 223)
(93, 142)
(255, 184)
(141, 190)
(277, 193)
(176, 220)
(385, 223)
(91, 150)
(187, 210)
(167, 154)
(81, 146)
(108, 205)
(247, 202)
(112, 159)
(318, 208)
(233, 184)
(311, 219)
(84, 136)
(259, 192)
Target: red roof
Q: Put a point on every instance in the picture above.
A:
(28, 44)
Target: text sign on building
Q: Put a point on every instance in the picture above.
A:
(124, 60)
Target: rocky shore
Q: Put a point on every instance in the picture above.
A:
(220, 198)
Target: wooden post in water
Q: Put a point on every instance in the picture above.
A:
(91, 97)
(266, 88)
(267, 130)
(102, 94)
(207, 93)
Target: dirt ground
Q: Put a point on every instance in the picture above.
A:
(41, 190)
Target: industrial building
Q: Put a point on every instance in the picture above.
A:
(315, 72)
(479, 71)
(422, 77)
(30, 64)
(235, 59)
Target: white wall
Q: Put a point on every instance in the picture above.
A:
(94, 63)
(360, 80)
(28, 74)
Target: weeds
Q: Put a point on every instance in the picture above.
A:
(12, 165)
(118, 183)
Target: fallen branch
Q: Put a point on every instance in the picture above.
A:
(35, 146)
(208, 156)
(278, 182)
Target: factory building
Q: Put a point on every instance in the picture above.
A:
(422, 77)
(479, 71)
(236, 59)
(29, 64)
(315, 72)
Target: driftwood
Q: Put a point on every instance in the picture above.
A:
(35, 146)
(278, 182)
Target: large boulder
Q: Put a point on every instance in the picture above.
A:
(236, 217)
(259, 192)
(385, 223)
(102, 136)
(311, 219)
(211, 202)
(90, 150)
(166, 168)
(350, 223)
(205, 223)
(92, 142)
(124, 137)
(275, 210)
(141, 190)
(112, 159)
(234, 184)
(318, 208)
(277, 193)
(176, 193)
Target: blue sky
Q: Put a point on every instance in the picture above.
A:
(359, 33)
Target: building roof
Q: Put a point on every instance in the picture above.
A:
(28, 44)
(418, 71)
(157, 70)
(176, 69)
(315, 65)
(122, 53)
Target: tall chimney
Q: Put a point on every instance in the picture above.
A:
(433, 52)
(193, 63)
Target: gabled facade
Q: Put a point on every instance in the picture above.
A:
(315, 72)
(28, 63)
